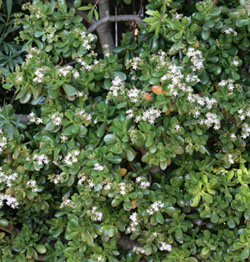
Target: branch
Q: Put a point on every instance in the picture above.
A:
(114, 18)
(104, 31)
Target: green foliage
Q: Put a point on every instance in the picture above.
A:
(10, 52)
(150, 142)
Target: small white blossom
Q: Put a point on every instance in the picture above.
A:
(34, 119)
(151, 115)
(40, 74)
(230, 158)
(139, 250)
(196, 59)
(98, 167)
(57, 118)
(133, 224)
(155, 207)
(133, 94)
(41, 159)
(10, 201)
(164, 246)
(71, 157)
(32, 184)
(117, 88)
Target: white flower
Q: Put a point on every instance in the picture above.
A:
(134, 63)
(130, 113)
(63, 138)
(230, 158)
(177, 127)
(32, 184)
(156, 206)
(151, 115)
(139, 250)
(117, 88)
(230, 31)
(85, 117)
(40, 74)
(98, 167)
(57, 118)
(10, 201)
(71, 157)
(96, 215)
(233, 136)
(196, 59)
(122, 187)
(133, 224)
(66, 203)
(235, 63)
(164, 246)
(133, 94)
(34, 119)
(41, 159)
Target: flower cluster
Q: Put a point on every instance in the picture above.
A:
(63, 138)
(122, 187)
(33, 56)
(196, 59)
(245, 131)
(6, 178)
(95, 215)
(174, 79)
(117, 88)
(34, 119)
(67, 203)
(143, 183)
(230, 84)
(65, 71)
(33, 9)
(160, 59)
(139, 250)
(3, 141)
(210, 120)
(41, 159)
(40, 75)
(135, 63)
(242, 114)
(133, 224)
(86, 65)
(98, 167)
(230, 31)
(82, 178)
(10, 200)
(156, 206)
(85, 117)
(230, 158)
(57, 118)
(164, 246)
(32, 184)
(56, 178)
(71, 157)
(134, 95)
(87, 38)
(151, 114)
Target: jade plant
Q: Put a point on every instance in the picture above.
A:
(138, 152)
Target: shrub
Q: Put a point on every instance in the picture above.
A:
(141, 154)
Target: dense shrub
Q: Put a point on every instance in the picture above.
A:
(137, 155)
